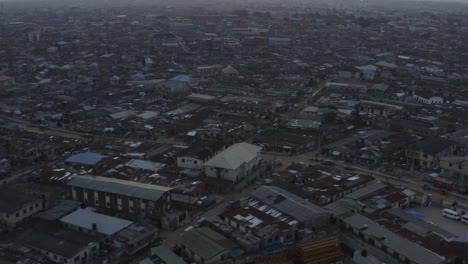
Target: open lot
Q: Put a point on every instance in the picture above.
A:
(433, 214)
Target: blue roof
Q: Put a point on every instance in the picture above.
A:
(88, 158)
(114, 78)
(56, 116)
(366, 71)
(88, 108)
(182, 78)
(416, 214)
(138, 76)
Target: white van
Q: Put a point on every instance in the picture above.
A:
(464, 219)
(451, 214)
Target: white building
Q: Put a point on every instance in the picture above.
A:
(234, 163)
(428, 99)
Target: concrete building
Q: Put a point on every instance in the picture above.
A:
(64, 247)
(88, 221)
(16, 207)
(427, 152)
(121, 196)
(234, 163)
(377, 108)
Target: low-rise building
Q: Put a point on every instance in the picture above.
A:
(62, 247)
(88, 221)
(427, 152)
(204, 245)
(377, 108)
(398, 248)
(234, 163)
(310, 215)
(16, 206)
(121, 195)
(6, 81)
(194, 156)
(417, 127)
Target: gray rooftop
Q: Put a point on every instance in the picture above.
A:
(126, 188)
(166, 255)
(234, 156)
(288, 203)
(205, 242)
(59, 210)
(105, 224)
(414, 252)
(61, 246)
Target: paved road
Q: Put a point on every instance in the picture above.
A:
(433, 214)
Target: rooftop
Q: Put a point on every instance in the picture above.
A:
(234, 156)
(86, 218)
(205, 242)
(414, 252)
(88, 158)
(122, 187)
(288, 203)
(166, 255)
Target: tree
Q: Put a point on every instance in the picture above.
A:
(329, 117)
(356, 119)
(9, 148)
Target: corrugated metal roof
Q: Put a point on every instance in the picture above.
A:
(414, 252)
(105, 224)
(145, 165)
(127, 188)
(288, 203)
(166, 255)
(87, 158)
(205, 242)
(123, 114)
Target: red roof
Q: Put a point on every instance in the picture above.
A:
(5, 78)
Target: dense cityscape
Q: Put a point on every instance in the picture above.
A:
(233, 132)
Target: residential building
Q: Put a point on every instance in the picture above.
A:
(204, 245)
(427, 152)
(62, 247)
(380, 109)
(6, 81)
(427, 98)
(310, 215)
(121, 195)
(16, 206)
(194, 156)
(396, 247)
(234, 163)
(417, 127)
(88, 221)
